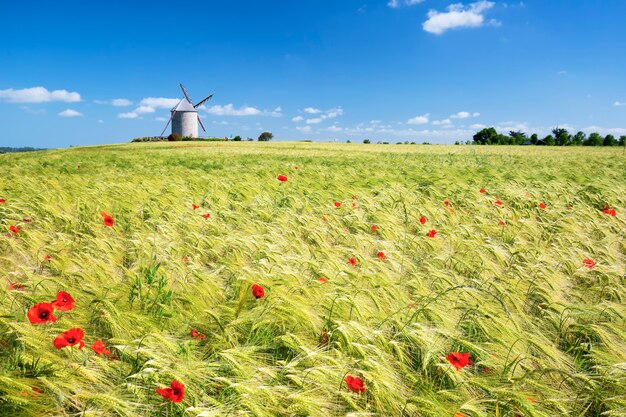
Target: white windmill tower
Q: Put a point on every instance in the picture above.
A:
(185, 117)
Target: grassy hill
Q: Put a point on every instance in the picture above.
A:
(169, 291)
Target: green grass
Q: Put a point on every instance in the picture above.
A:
(547, 335)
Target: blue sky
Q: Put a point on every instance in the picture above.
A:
(77, 73)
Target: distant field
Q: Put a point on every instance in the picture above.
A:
(503, 279)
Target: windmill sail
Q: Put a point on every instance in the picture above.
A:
(201, 102)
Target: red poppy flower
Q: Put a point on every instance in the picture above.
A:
(531, 399)
(354, 383)
(282, 178)
(542, 206)
(325, 218)
(41, 313)
(322, 280)
(72, 337)
(353, 261)
(431, 233)
(374, 228)
(381, 256)
(459, 414)
(185, 259)
(589, 263)
(353, 204)
(482, 191)
(175, 393)
(502, 223)
(100, 348)
(498, 203)
(207, 216)
(609, 211)
(258, 291)
(459, 360)
(77, 166)
(64, 301)
(2, 201)
(422, 219)
(446, 203)
(107, 219)
(47, 258)
(337, 204)
(197, 335)
(195, 206)
(14, 229)
(295, 167)
(15, 286)
(26, 220)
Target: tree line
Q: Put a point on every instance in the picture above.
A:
(558, 137)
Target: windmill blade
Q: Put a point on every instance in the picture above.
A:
(168, 123)
(201, 102)
(200, 120)
(185, 93)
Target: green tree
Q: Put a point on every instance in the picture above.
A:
(594, 139)
(534, 138)
(579, 138)
(561, 136)
(622, 140)
(265, 137)
(237, 138)
(485, 136)
(517, 138)
(609, 140)
(367, 141)
(549, 140)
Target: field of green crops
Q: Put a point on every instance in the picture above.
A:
(527, 277)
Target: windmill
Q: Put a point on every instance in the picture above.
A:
(185, 117)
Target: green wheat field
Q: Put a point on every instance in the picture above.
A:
(506, 278)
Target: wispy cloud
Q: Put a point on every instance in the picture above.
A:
(458, 16)
(464, 115)
(38, 95)
(320, 115)
(619, 104)
(419, 120)
(70, 113)
(394, 4)
(231, 110)
(117, 102)
(30, 110)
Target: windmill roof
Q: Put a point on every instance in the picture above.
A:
(184, 105)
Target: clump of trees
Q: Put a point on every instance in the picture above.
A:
(558, 137)
(265, 137)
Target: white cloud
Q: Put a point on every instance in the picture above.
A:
(478, 126)
(304, 129)
(30, 110)
(619, 104)
(159, 102)
(129, 115)
(419, 120)
(100, 121)
(144, 109)
(444, 122)
(322, 115)
(464, 115)
(457, 16)
(70, 113)
(394, 4)
(230, 110)
(562, 72)
(161, 119)
(121, 102)
(37, 95)
(334, 129)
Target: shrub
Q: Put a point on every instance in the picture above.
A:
(174, 137)
(237, 138)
